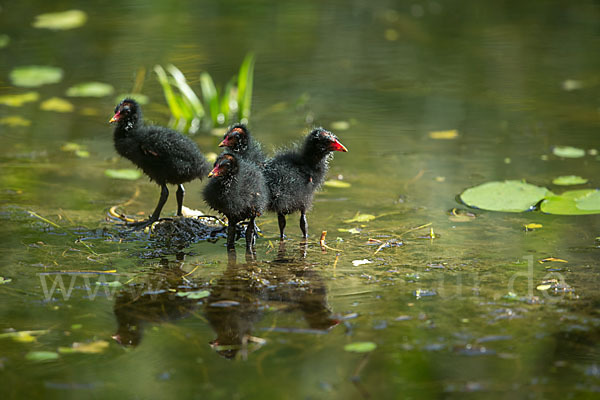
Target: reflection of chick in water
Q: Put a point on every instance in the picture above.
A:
(150, 302)
(239, 296)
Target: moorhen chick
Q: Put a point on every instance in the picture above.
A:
(239, 141)
(238, 190)
(293, 176)
(165, 155)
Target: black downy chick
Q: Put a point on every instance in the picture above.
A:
(293, 176)
(165, 155)
(238, 190)
(239, 141)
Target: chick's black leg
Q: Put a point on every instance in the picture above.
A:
(180, 192)
(250, 232)
(303, 224)
(231, 235)
(281, 219)
(164, 195)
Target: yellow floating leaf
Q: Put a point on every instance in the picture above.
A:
(552, 259)
(86, 348)
(17, 100)
(532, 226)
(544, 287)
(61, 20)
(15, 120)
(336, 183)
(57, 104)
(450, 134)
(351, 230)
(361, 218)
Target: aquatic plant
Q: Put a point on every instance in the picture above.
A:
(212, 107)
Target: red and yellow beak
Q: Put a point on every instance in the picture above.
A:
(337, 146)
(215, 172)
(115, 117)
(224, 143)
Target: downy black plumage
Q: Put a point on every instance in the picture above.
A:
(293, 176)
(238, 190)
(165, 155)
(238, 140)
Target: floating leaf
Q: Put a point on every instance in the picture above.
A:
(35, 75)
(140, 98)
(549, 259)
(76, 326)
(360, 347)
(336, 183)
(361, 218)
(109, 284)
(351, 230)
(127, 174)
(450, 134)
(57, 104)
(532, 226)
(24, 336)
(544, 287)
(17, 100)
(568, 152)
(86, 348)
(589, 202)
(90, 89)
(15, 120)
(569, 180)
(194, 295)
(4, 40)
(572, 84)
(61, 20)
(570, 203)
(340, 125)
(509, 196)
(356, 263)
(41, 355)
(4, 280)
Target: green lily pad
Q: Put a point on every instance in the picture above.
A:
(508, 196)
(61, 20)
(127, 174)
(360, 347)
(90, 89)
(571, 203)
(17, 100)
(14, 121)
(336, 183)
(35, 75)
(569, 180)
(568, 152)
(194, 295)
(4, 40)
(57, 104)
(589, 202)
(41, 355)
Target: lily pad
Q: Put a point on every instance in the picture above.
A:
(572, 202)
(61, 20)
(194, 295)
(57, 104)
(589, 202)
(35, 75)
(41, 355)
(360, 347)
(508, 196)
(568, 152)
(569, 180)
(336, 183)
(15, 120)
(127, 174)
(17, 100)
(90, 89)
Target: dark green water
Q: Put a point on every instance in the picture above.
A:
(438, 309)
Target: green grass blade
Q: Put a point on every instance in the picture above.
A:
(210, 95)
(187, 92)
(245, 85)
(168, 92)
(227, 97)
